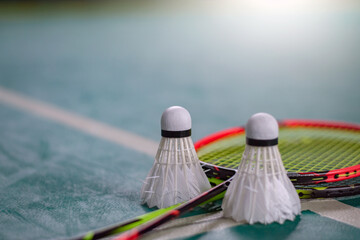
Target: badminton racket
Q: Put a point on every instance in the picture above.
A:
(313, 152)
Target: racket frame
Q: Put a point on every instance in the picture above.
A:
(302, 178)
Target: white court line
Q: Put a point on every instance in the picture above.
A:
(335, 210)
(78, 122)
(190, 226)
(327, 208)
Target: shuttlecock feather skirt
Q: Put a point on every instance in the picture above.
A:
(261, 191)
(176, 175)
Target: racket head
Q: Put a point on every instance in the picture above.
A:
(312, 151)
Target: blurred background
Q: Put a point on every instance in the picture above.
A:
(124, 62)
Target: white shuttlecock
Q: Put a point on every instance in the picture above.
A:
(261, 191)
(176, 175)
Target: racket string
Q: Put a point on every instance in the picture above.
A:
(303, 150)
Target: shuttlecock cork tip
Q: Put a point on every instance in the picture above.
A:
(176, 122)
(262, 129)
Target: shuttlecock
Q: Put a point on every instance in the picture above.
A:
(261, 191)
(176, 175)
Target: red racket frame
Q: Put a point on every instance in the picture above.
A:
(306, 177)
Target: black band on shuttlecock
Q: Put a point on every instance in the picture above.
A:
(261, 143)
(176, 134)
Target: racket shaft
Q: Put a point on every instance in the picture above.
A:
(134, 234)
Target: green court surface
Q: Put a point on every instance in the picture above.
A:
(82, 93)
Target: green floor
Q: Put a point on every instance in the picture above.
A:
(124, 69)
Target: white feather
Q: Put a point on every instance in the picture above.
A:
(176, 175)
(261, 191)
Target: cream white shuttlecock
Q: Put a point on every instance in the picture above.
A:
(261, 191)
(176, 175)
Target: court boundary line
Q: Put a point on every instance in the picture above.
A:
(148, 147)
(335, 210)
(81, 123)
(190, 226)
